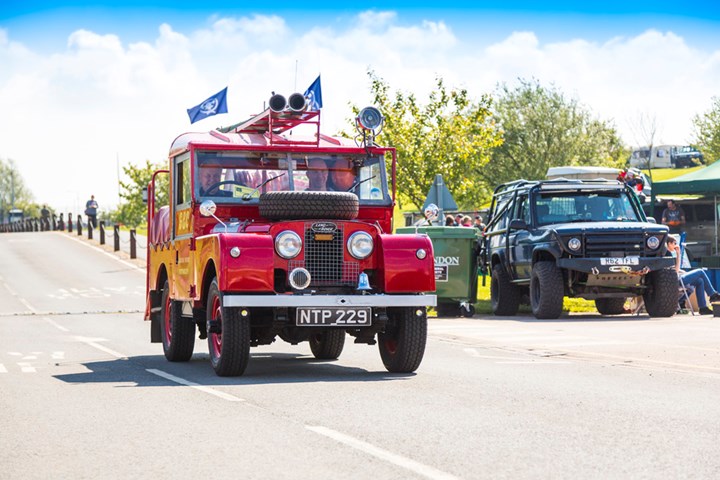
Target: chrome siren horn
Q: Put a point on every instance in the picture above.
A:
(297, 102)
(277, 103)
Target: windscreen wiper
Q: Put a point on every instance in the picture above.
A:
(358, 183)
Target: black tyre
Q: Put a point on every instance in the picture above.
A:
(447, 309)
(661, 296)
(177, 332)
(402, 344)
(546, 290)
(228, 336)
(328, 344)
(308, 205)
(610, 306)
(504, 296)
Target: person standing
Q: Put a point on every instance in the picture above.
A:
(91, 207)
(673, 216)
(479, 223)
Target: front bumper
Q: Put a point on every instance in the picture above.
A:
(282, 301)
(594, 266)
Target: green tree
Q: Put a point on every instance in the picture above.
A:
(541, 129)
(450, 135)
(13, 192)
(132, 211)
(707, 131)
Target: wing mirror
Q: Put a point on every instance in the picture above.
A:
(518, 224)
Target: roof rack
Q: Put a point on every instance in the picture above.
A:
(272, 124)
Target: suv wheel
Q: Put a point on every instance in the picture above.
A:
(308, 205)
(177, 332)
(504, 296)
(610, 306)
(661, 297)
(328, 344)
(228, 336)
(546, 290)
(402, 344)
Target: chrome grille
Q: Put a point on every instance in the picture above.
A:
(324, 260)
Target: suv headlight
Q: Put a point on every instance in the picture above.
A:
(574, 244)
(288, 244)
(653, 243)
(360, 245)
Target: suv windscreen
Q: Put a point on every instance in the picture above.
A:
(557, 207)
(240, 177)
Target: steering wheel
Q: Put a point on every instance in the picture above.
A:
(217, 185)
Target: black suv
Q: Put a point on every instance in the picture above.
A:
(546, 240)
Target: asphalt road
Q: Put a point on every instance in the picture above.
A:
(83, 394)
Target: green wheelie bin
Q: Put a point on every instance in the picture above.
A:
(456, 264)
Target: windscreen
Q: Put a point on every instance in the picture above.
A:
(557, 207)
(240, 177)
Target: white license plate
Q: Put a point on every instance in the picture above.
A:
(620, 261)
(334, 317)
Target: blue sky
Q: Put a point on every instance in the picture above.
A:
(114, 78)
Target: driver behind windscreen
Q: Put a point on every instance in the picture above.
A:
(342, 175)
(210, 177)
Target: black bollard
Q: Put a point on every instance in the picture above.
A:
(70, 223)
(90, 230)
(61, 223)
(133, 245)
(79, 225)
(116, 238)
(102, 232)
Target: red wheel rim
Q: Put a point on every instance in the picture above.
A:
(216, 338)
(391, 346)
(168, 321)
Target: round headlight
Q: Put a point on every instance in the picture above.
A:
(360, 245)
(234, 252)
(574, 244)
(288, 244)
(653, 243)
(421, 253)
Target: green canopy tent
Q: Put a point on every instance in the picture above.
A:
(705, 181)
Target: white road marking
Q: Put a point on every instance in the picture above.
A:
(128, 264)
(15, 354)
(30, 357)
(26, 367)
(548, 337)
(589, 343)
(536, 362)
(2, 368)
(93, 343)
(398, 460)
(19, 298)
(58, 355)
(56, 325)
(188, 383)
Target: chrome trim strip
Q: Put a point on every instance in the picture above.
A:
(329, 300)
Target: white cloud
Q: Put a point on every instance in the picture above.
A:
(98, 98)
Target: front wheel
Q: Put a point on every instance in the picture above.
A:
(228, 336)
(402, 344)
(661, 297)
(177, 332)
(546, 290)
(328, 344)
(504, 296)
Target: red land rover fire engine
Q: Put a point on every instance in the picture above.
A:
(271, 235)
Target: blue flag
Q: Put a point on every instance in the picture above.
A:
(212, 106)
(314, 95)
